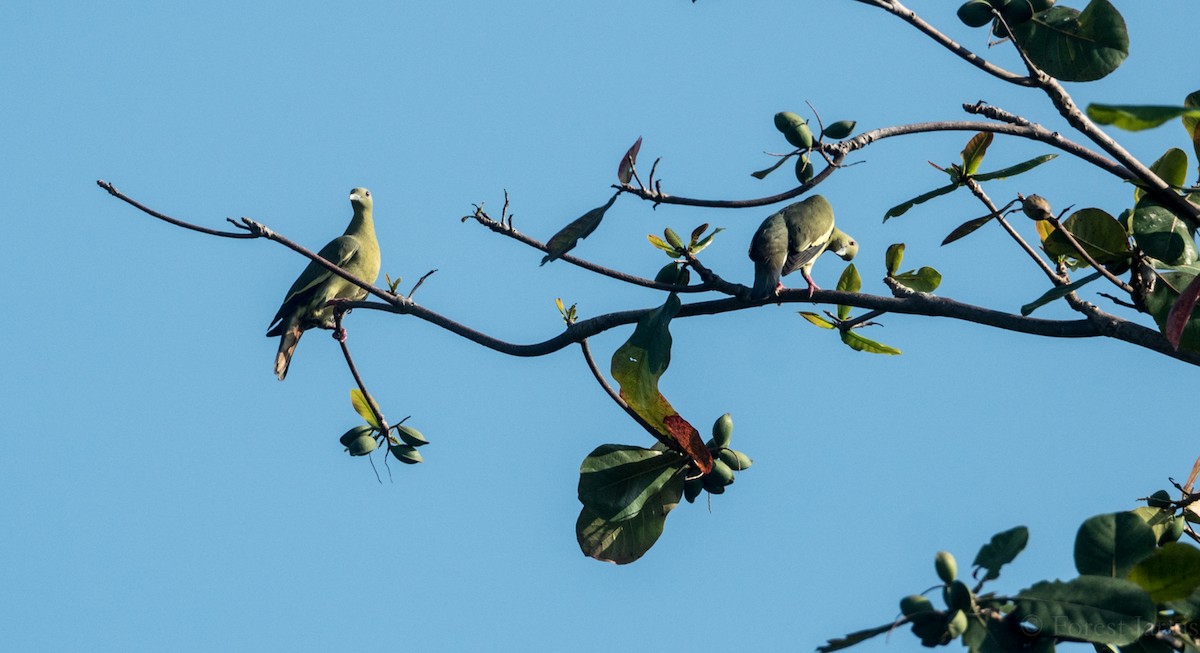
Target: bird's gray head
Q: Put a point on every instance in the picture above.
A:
(360, 198)
(843, 245)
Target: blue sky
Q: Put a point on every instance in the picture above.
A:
(162, 491)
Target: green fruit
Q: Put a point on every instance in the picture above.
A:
(958, 596)
(362, 445)
(1036, 207)
(692, 488)
(957, 625)
(804, 170)
(1017, 12)
(946, 566)
(915, 604)
(673, 273)
(1160, 499)
(720, 476)
(722, 431)
(736, 460)
(1173, 531)
(411, 436)
(794, 129)
(406, 454)
(975, 13)
(1041, 5)
(839, 129)
(354, 433)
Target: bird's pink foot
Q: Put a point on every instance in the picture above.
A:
(339, 334)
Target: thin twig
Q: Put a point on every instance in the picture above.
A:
(422, 279)
(977, 191)
(1089, 258)
(337, 321)
(591, 363)
(112, 190)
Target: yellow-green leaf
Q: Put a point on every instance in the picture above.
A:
(363, 408)
(972, 154)
(859, 343)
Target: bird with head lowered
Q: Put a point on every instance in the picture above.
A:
(792, 239)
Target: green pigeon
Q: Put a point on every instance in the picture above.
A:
(792, 239)
(356, 251)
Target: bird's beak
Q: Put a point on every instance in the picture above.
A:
(355, 198)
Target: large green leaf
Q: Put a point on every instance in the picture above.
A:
(1162, 235)
(925, 279)
(627, 540)
(859, 343)
(1089, 608)
(615, 480)
(1074, 46)
(359, 401)
(1058, 292)
(1171, 167)
(1170, 574)
(966, 228)
(1012, 171)
(1131, 117)
(1100, 234)
(1110, 545)
(579, 228)
(1001, 550)
(637, 366)
(1162, 298)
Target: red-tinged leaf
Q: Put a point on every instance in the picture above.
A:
(625, 170)
(1181, 312)
(689, 438)
(972, 154)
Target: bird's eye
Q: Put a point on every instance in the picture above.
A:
(368, 193)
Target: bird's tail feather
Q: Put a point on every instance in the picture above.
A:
(287, 346)
(766, 281)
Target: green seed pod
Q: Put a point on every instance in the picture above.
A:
(999, 31)
(362, 445)
(975, 13)
(915, 604)
(794, 129)
(946, 566)
(354, 433)
(720, 476)
(1036, 207)
(1041, 5)
(1017, 12)
(722, 431)
(804, 169)
(736, 460)
(958, 596)
(1173, 531)
(1160, 499)
(411, 436)
(839, 129)
(673, 273)
(406, 454)
(692, 488)
(957, 624)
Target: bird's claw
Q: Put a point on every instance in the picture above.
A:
(339, 334)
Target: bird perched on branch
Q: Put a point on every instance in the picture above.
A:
(357, 252)
(791, 240)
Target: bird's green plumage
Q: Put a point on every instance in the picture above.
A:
(792, 239)
(357, 252)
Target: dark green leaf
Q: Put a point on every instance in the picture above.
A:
(817, 320)
(1089, 608)
(894, 257)
(1001, 550)
(1171, 167)
(925, 279)
(859, 343)
(616, 480)
(1012, 171)
(856, 637)
(901, 209)
(1162, 235)
(1163, 297)
(624, 541)
(1058, 292)
(762, 174)
(966, 228)
(1132, 117)
(1100, 234)
(1171, 573)
(580, 228)
(839, 129)
(1074, 46)
(706, 241)
(972, 154)
(1110, 545)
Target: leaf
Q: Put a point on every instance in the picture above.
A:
(893, 258)
(850, 281)
(1181, 313)
(1164, 295)
(1111, 544)
(853, 638)
(1058, 292)
(1171, 167)
(699, 247)
(817, 320)
(1162, 235)
(363, 408)
(1171, 573)
(580, 228)
(1089, 608)
(1074, 46)
(1013, 171)
(762, 174)
(615, 480)
(839, 129)
(901, 209)
(1132, 117)
(1191, 121)
(661, 244)
(966, 228)
(625, 169)
(1101, 235)
(972, 154)
(926, 279)
(638, 364)
(624, 541)
(859, 343)
(1001, 550)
